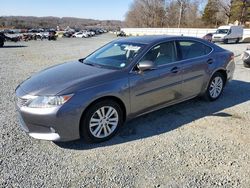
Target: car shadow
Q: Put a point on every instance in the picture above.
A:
(173, 117)
(14, 46)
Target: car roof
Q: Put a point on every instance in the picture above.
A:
(154, 39)
(150, 39)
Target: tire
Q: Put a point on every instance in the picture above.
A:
(1, 42)
(101, 126)
(237, 41)
(215, 87)
(246, 65)
(225, 41)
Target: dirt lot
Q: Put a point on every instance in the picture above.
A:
(193, 144)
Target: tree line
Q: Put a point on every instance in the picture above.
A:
(29, 22)
(187, 13)
(150, 13)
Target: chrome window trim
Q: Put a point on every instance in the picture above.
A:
(179, 61)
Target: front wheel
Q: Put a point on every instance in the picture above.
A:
(247, 65)
(215, 87)
(225, 41)
(101, 121)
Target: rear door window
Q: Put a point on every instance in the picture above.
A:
(192, 49)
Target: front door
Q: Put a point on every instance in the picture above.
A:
(161, 85)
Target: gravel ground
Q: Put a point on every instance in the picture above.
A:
(193, 144)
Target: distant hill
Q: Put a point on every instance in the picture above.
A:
(28, 22)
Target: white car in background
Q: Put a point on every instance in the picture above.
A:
(228, 34)
(81, 34)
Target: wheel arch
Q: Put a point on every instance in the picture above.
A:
(114, 98)
(223, 73)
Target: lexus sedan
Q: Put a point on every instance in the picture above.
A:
(126, 78)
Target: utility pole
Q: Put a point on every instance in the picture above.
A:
(180, 15)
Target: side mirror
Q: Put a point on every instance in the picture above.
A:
(146, 65)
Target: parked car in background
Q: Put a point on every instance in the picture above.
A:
(68, 34)
(80, 35)
(246, 57)
(124, 79)
(208, 37)
(2, 39)
(52, 35)
(228, 34)
(91, 33)
(121, 34)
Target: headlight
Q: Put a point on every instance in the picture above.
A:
(48, 101)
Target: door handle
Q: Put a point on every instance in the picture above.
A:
(210, 61)
(175, 70)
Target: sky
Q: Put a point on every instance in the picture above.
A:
(94, 9)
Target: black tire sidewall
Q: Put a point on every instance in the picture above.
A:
(208, 96)
(84, 127)
(1, 42)
(247, 65)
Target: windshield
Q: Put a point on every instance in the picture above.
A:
(114, 55)
(222, 31)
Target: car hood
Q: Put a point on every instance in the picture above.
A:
(219, 35)
(58, 78)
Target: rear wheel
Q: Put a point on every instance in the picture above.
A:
(215, 87)
(1, 42)
(101, 121)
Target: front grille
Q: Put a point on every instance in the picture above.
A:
(21, 102)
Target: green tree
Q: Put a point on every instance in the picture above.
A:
(211, 13)
(240, 10)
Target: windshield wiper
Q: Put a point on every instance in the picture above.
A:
(86, 62)
(91, 64)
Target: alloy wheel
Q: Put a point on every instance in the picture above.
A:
(216, 87)
(103, 122)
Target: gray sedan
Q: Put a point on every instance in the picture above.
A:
(93, 97)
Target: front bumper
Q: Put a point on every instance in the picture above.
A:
(217, 39)
(54, 124)
(37, 132)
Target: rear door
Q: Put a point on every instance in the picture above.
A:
(195, 60)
